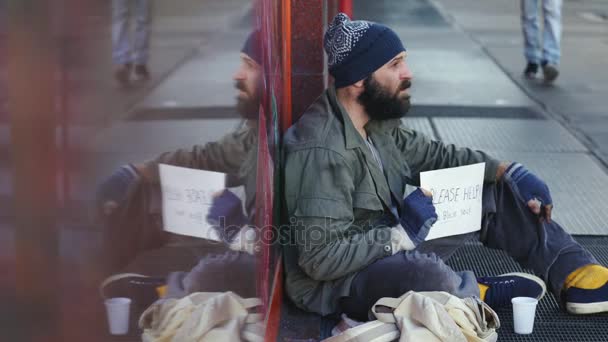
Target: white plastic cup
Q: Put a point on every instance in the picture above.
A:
(118, 315)
(524, 310)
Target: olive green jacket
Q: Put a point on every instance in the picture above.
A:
(336, 194)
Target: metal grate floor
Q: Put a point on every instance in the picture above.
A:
(508, 134)
(567, 174)
(551, 324)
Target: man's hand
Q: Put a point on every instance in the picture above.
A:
(246, 240)
(112, 192)
(226, 213)
(530, 189)
(502, 168)
(418, 214)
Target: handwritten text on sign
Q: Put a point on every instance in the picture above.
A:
(457, 195)
(187, 197)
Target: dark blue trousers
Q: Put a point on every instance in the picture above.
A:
(507, 224)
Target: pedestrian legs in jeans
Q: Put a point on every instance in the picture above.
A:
(127, 53)
(545, 52)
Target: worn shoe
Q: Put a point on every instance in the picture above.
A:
(587, 290)
(498, 291)
(531, 70)
(122, 73)
(550, 72)
(141, 72)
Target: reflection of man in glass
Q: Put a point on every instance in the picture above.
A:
(234, 154)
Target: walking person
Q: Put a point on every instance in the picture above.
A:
(130, 53)
(546, 51)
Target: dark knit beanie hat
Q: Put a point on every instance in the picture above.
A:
(355, 49)
(253, 47)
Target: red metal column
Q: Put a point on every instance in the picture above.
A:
(307, 53)
(286, 65)
(303, 78)
(31, 64)
(346, 6)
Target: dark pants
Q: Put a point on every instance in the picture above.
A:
(507, 224)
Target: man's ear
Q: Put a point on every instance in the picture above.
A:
(359, 84)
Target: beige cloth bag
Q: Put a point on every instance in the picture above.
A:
(426, 316)
(203, 316)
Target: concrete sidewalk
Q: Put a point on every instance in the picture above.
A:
(179, 30)
(577, 98)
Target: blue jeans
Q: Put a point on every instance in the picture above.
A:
(552, 30)
(123, 49)
(507, 224)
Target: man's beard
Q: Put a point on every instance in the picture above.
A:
(380, 104)
(247, 107)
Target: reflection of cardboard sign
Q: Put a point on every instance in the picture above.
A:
(187, 197)
(457, 198)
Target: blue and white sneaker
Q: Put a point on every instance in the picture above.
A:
(502, 288)
(582, 301)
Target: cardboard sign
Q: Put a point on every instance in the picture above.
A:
(457, 195)
(187, 196)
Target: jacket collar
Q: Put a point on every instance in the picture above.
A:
(352, 138)
(381, 126)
